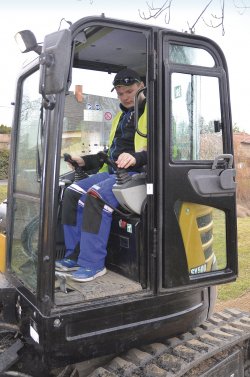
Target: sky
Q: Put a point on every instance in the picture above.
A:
(44, 17)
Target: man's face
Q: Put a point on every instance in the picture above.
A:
(126, 94)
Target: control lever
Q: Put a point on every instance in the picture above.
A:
(107, 160)
(79, 172)
(67, 158)
(122, 175)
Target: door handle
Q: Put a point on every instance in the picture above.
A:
(218, 181)
(223, 157)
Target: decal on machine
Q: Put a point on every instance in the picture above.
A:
(198, 270)
(33, 331)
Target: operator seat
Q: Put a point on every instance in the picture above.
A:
(127, 241)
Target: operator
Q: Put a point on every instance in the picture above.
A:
(87, 220)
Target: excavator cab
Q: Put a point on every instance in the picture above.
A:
(174, 235)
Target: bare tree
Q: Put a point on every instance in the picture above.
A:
(241, 6)
(215, 20)
(219, 20)
(155, 12)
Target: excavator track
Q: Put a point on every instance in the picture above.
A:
(219, 347)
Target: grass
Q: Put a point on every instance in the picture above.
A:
(241, 286)
(226, 291)
(3, 192)
(219, 239)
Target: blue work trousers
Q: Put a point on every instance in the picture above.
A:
(93, 245)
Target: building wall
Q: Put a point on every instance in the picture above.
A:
(4, 141)
(242, 164)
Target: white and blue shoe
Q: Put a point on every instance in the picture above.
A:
(66, 265)
(87, 274)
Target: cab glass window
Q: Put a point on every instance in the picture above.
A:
(203, 231)
(195, 117)
(190, 55)
(28, 141)
(88, 115)
(26, 212)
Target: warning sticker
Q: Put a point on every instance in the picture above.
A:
(129, 228)
(107, 115)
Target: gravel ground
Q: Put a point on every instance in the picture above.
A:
(241, 303)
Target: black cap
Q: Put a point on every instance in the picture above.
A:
(126, 77)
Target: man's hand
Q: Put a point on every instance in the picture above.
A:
(77, 159)
(125, 160)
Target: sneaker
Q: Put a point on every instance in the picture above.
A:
(86, 274)
(66, 264)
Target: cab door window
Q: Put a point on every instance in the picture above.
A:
(196, 118)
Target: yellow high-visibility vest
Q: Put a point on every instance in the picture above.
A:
(140, 142)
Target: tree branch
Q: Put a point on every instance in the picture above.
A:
(242, 8)
(155, 12)
(191, 29)
(219, 19)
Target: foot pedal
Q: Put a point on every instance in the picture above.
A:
(62, 281)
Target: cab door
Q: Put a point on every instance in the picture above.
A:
(198, 182)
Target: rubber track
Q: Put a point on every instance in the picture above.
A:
(178, 356)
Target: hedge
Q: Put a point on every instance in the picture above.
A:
(4, 164)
